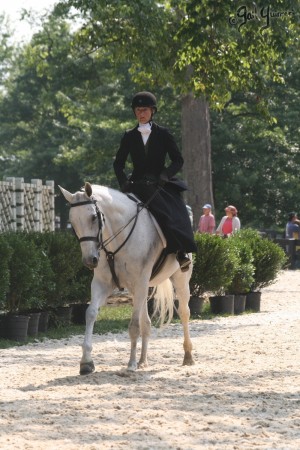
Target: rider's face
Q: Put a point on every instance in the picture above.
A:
(143, 114)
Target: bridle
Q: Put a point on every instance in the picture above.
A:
(101, 220)
(110, 256)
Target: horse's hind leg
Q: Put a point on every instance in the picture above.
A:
(99, 296)
(180, 282)
(139, 324)
(145, 327)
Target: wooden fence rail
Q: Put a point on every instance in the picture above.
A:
(26, 206)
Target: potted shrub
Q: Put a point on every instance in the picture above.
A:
(226, 263)
(44, 286)
(5, 252)
(242, 278)
(65, 258)
(24, 281)
(80, 294)
(214, 264)
(268, 260)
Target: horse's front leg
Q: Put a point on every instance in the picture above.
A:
(145, 327)
(99, 294)
(180, 281)
(139, 324)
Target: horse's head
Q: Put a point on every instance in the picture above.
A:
(86, 220)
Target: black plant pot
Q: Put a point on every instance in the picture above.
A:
(33, 324)
(61, 316)
(3, 325)
(17, 327)
(196, 305)
(64, 314)
(78, 313)
(43, 322)
(239, 303)
(253, 301)
(222, 304)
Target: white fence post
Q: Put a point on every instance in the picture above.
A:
(26, 206)
(38, 204)
(51, 206)
(19, 190)
(8, 205)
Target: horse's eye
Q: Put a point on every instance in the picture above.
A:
(94, 218)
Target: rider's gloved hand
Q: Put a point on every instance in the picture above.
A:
(126, 187)
(163, 178)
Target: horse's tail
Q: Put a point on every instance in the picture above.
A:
(163, 296)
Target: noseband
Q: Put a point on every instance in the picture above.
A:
(100, 217)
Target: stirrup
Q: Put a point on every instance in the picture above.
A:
(184, 261)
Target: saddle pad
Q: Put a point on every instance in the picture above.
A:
(154, 221)
(159, 230)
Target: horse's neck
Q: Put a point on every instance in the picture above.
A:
(118, 211)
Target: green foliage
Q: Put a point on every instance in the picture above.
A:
(65, 109)
(268, 259)
(6, 253)
(255, 162)
(119, 27)
(81, 286)
(213, 266)
(42, 296)
(65, 97)
(243, 276)
(227, 58)
(41, 271)
(242, 263)
(26, 282)
(64, 254)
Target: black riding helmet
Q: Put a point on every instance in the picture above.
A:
(145, 99)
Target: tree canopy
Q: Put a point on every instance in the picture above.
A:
(65, 95)
(235, 48)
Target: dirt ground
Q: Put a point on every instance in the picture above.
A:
(242, 393)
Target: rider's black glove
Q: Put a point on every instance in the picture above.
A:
(126, 187)
(163, 178)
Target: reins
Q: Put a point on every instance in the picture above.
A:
(110, 256)
(140, 207)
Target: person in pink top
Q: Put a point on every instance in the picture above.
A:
(207, 220)
(230, 223)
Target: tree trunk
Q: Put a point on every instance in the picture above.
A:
(196, 150)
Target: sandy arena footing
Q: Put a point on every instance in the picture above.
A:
(242, 393)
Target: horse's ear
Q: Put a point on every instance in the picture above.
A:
(68, 196)
(88, 189)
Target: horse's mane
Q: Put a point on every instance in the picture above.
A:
(108, 196)
(105, 190)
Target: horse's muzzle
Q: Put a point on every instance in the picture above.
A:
(91, 263)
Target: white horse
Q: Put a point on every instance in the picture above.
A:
(121, 243)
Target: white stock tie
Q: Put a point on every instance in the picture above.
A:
(145, 130)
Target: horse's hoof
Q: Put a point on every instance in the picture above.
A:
(188, 361)
(142, 365)
(131, 367)
(86, 368)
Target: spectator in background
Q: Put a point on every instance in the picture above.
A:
(207, 220)
(292, 229)
(230, 223)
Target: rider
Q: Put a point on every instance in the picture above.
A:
(148, 146)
